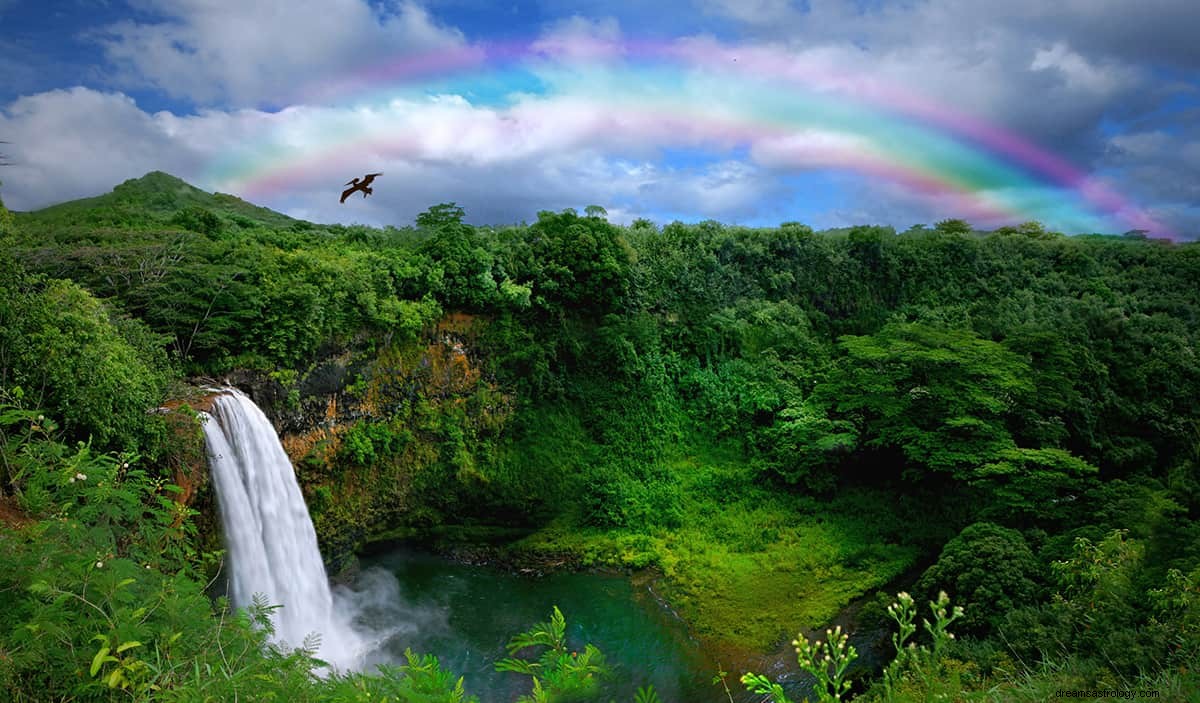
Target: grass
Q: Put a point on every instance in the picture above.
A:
(747, 567)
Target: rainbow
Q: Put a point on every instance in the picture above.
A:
(632, 97)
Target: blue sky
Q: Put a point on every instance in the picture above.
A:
(265, 99)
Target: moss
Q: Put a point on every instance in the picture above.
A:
(746, 568)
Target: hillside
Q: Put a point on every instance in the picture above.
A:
(780, 428)
(156, 200)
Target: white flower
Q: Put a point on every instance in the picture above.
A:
(81, 477)
(41, 418)
(71, 480)
(99, 565)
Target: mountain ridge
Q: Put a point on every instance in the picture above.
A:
(153, 200)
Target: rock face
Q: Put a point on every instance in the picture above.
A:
(358, 426)
(350, 386)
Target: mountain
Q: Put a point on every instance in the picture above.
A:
(156, 200)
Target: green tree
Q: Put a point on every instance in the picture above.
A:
(466, 281)
(6, 218)
(74, 357)
(939, 397)
(579, 262)
(988, 569)
(953, 226)
(198, 219)
(1030, 483)
(441, 215)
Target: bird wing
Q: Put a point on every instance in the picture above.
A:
(370, 177)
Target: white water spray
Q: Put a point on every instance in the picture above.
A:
(271, 541)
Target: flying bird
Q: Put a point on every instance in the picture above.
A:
(363, 184)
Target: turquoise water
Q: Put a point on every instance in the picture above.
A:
(466, 614)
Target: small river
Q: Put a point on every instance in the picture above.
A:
(466, 614)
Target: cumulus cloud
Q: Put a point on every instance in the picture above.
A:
(1051, 71)
(580, 37)
(762, 13)
(813, 148)
(502, 166)
(1079, 74)
(74, 143)
(595, 135)
(1162, 168)
(258, 53)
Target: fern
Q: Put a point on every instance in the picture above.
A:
(557, 673)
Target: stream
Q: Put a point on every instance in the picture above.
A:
(465, 614)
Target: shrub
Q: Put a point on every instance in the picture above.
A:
(988, 569)
(98, 374)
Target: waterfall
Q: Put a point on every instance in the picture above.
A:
(270, 538)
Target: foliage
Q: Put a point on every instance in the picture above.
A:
(938, 397)
(421, 679)
(578, 263)
(53, 335)
(921, 665)
(1030, 482)
(6, 221)
(558, 675)
(441, 215)
(825, 661)
(197, 219)
(988, 569)
(758, 412)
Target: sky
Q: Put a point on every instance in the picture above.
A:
(1081, 114)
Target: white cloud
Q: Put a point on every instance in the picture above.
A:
(1080, 75)
(264, 52)
(809, 148)
(580, 38)
(755, 12)
(578, 146)
(726, 191)
(502, 166)
(1050, 71)
(1164, 169)
(74, 143)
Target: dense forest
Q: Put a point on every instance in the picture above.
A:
(1005, 425)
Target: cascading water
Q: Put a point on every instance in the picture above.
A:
(270, 537)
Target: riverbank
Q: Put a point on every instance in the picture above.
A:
(487, 550)
(745, 577)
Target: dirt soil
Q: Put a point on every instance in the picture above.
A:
(11, 514)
